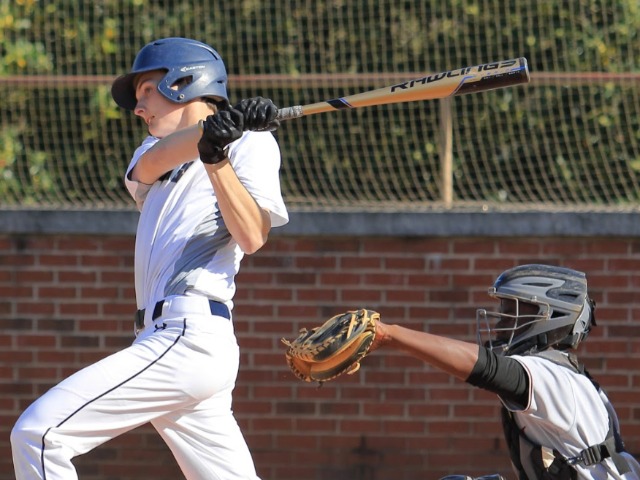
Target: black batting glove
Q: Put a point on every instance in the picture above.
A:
(259, 114)
(218, 131)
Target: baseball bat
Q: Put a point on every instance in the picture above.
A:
(479, 78)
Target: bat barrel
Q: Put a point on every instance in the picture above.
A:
(491, 80)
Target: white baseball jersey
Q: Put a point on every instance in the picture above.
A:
(565, 412)
(182, 243)
(180, 371)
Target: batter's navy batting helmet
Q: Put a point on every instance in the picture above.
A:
(183, 59)
(564, 317)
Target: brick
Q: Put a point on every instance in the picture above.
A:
(83, 341)
(58, 260)
(78, 309)
(404, 264)
(99, 293)
(19, 324)
(608, 248)
(56, 292)
(253, 277)
(339, 278)
(33, 340)
(97, 260)
(33, 276)
(363, 426)
(78, 244)
(385, 279)
(58, 357)
(361, 297)
(291, 278)
(408, 427)
(115, 276)
(515, 248)
(295, 408)
(55, 324)
(274, 294)
(19, 261)
(298, 311)
(316, 295)
(428, 280)
(360, 263)
(474, 246)
(624, 264)
(118, 244)
(118, 342)
(37, 373)
(16, 291)
(15, 358)
(273, 392)
(272, 262)
(315, 263)
(448, 296)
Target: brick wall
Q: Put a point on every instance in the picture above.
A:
(66, 301)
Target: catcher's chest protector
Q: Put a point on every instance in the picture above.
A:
(537, 462)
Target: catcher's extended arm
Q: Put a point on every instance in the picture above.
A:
(334, 348)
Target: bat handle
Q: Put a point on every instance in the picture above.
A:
(288, 113)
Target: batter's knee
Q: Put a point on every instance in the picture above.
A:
(26, 434)
(26, 448)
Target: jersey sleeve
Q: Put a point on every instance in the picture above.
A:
(256, 160)
(138, 190)
(501, 375)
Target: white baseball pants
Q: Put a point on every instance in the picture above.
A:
(178, 374)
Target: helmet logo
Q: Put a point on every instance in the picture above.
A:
(193, 67)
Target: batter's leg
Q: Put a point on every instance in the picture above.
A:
(204, 436)
(206, 441)
(96, 404)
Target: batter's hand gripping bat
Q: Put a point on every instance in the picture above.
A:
(479, 78)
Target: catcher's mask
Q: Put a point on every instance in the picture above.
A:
(196, 68)
(541, 306)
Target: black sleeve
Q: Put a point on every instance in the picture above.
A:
(501, 375)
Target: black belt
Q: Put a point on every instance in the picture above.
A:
(217, 308)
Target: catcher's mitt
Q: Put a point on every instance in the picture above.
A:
(335, 347)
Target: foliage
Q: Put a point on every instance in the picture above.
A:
(69, 143)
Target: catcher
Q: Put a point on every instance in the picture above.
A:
(557, 421)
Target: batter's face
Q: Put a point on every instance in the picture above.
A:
(161, 115)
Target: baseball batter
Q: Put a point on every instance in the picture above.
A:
(206, 181)
(558, 423)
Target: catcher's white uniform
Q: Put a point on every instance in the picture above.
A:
(566, 412)
(181, 369)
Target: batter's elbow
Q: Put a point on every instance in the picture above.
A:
(251, 247)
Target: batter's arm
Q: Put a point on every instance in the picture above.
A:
(168, 153)
(248, 223)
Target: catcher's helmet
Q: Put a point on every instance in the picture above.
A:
(541, 306)
(182, 59)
